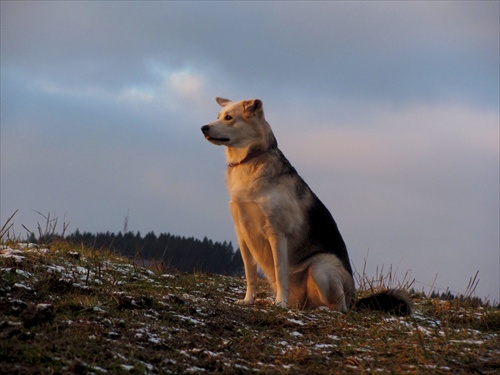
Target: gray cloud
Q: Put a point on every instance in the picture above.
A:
(396, 52)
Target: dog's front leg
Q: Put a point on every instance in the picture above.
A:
(250, 275)
(279, 247)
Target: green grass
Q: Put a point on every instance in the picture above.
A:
(67, 309)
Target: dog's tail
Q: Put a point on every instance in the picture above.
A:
(393, 301)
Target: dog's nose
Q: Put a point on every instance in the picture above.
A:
(205, 128)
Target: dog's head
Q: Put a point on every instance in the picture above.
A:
(239, 125)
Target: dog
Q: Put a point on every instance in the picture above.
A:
(281, 225)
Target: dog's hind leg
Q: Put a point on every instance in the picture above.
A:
(326, 286)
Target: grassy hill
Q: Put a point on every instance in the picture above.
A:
(74, 310)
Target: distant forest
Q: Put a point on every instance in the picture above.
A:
(175, 252)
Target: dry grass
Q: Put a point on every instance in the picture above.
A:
(74, 310)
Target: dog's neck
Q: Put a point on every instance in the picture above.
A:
(251, 155)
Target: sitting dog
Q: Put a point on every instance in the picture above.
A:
(281, 225)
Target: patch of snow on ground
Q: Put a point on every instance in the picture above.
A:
(295, 321)
(12, 253)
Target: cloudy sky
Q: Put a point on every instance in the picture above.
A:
(389, 110)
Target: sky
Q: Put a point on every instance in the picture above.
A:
(388, 110)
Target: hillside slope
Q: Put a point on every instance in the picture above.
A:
(74, 310)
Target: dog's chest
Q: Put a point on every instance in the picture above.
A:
(243, 183)
(264, 204)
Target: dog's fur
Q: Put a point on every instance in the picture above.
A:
(281, 225)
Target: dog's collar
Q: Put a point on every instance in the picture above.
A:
(247, 158)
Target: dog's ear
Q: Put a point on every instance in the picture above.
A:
(223, 102)
(253, 106)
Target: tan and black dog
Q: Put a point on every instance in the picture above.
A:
(281, 225)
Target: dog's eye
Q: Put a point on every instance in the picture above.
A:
(228, 118)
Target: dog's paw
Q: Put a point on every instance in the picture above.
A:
(282, 304)
(244, 302)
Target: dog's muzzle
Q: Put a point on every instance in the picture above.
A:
(206, 129)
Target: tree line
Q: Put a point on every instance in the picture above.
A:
(174, 252)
